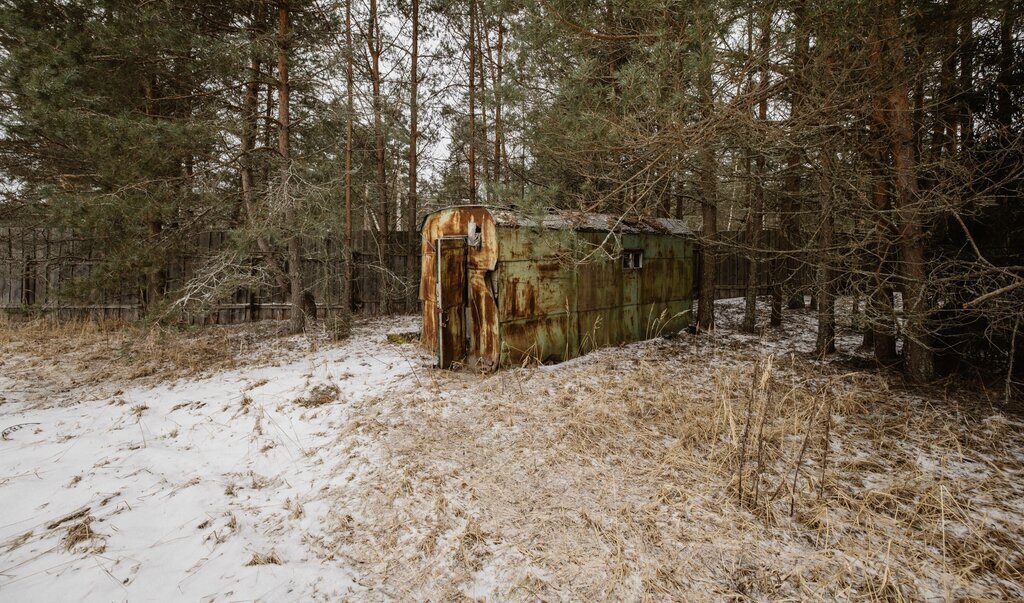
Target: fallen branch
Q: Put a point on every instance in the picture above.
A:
(1000, 291)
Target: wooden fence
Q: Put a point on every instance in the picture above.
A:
(52, 271)
(733, 264)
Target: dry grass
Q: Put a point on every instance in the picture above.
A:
(80, 532)
(319, 395)
(130, 350)
(61, 356)
(270, 558)
(647, 475)
(17, 541)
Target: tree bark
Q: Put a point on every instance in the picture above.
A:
(789, 211)
(298, 314)
(481, 41)
(268, 115)
(346, 291)
(825, 291)
(880, 332)
(755, 219)
(156, 279)
(498, 66)
(751, 229)
(966, 56)
(472, 102)
(918, 353)
(826, 296)
(250, 130)
(709, 206)
(413, 200)
(375, 44)
(878, 310)
(943, 129)
(413, 113)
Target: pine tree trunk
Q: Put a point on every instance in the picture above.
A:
(880, 330)
(482, 125)
(298, 315)
(966, 58)
(413, 113)
(754, 224)
(413, 201)
(373, 40)
(709, 209)
(250, 129)
(749, 324)
(826, 296)
(918, 353)
(472, 102)
(268, 118)
(708, 257)
(346, 291)
(943, 135)
(753, 231)
(825, 291)
(499, 142)
(157, 278)
(790, 239)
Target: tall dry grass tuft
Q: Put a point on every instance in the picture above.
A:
(80, 532)
(271, 558)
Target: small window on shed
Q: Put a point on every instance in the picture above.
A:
(632, 259)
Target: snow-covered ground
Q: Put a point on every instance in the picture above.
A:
(355, 470)
(182, 483)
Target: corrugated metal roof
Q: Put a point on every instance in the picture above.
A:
(574, 220)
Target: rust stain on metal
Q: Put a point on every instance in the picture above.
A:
(450, 259)
(484, 344)
(543, 339)
(518, 299)
(455, 222)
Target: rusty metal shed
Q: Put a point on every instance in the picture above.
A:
(500, 286)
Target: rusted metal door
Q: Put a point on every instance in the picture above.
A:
(451, 300)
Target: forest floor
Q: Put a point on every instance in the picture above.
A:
(236, 463)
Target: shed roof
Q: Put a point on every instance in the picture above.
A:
(555, 219)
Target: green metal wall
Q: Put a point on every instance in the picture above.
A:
(561, 295)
